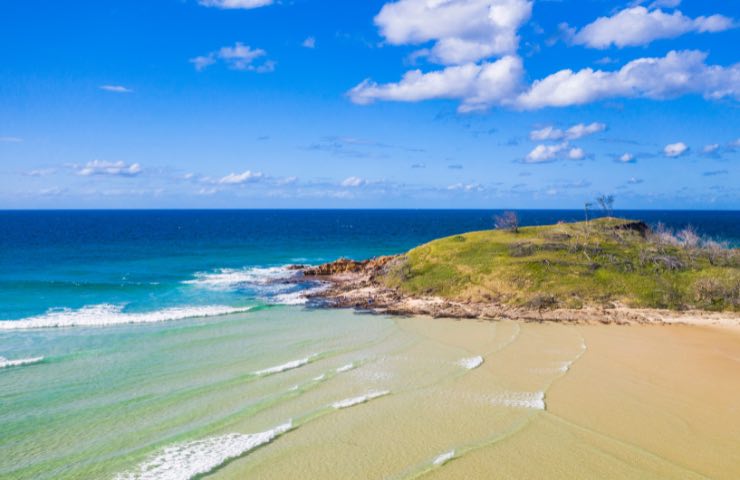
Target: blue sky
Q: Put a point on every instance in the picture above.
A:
(342, 104)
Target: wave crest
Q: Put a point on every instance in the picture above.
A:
(107, 314)
(192, 459)
(351, 402)
(4, 362)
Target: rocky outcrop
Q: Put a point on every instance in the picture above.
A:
(348, 266)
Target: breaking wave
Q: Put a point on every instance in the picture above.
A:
(107, 314)
(192, 459)
(351, 402)
(230, 279)
(293, 364)
(4, 362)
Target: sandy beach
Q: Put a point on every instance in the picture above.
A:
(548, 401)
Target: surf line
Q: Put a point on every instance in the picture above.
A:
(193, 459)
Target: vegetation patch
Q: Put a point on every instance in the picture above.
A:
(604, 262)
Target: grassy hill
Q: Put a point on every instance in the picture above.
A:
(571, 265)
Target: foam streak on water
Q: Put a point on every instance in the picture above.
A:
(4, 362)
(107, 314)
(351, 402)
(532, 400)
(293, 364)
(471, 363)
(188, 460)
(443, 458)
(229, 278)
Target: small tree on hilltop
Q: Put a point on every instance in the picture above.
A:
(507, 221)
(607, 204)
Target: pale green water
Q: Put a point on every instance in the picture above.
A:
(104, 399)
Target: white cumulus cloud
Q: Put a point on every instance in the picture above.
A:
(462, 30)
(476, 86)
(239, 57)
(627, 158)
(309, 42)
(500, 83)
(639, 26)
(678, 73)
(675, 149)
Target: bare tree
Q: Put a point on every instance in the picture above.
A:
(587, 207)
(507, 221)
(607, 204)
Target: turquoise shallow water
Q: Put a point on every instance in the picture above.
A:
(182, 326)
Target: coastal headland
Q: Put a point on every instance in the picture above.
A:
(607, 270)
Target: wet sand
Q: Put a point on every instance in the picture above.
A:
(548, 401)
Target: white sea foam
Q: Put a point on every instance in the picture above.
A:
(107, 314)
(297, 298)
(471, 363)
(229, 278)
(533, 400)
(346, 368)
(192, 459)
(443, 458)
(351, 402)
(319, 377)
(565, 366)
(4, 362)
(285, 366)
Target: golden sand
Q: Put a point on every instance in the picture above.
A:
(636, 402)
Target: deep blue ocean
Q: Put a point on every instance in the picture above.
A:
(60, 266)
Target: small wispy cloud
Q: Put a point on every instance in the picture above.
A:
(575, 132)
(714, 173)
(235, 4)
(455, 166)
(104, 167)
(353, 182)
(241, 178)
(41, 172)
(115, 88)
(309, 42)
(10, 140)
(627, 158)
(466, 187)
(239, 57)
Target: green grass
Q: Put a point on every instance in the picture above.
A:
(570, 265)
